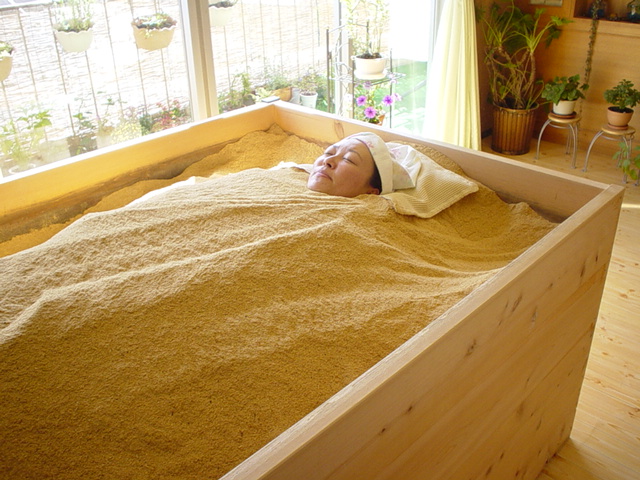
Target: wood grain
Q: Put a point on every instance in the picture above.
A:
(605, 441)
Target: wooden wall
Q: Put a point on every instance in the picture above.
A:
(616, 56)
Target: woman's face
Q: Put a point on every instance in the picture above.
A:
(344, 169)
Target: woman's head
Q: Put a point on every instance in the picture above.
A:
(346, 169)
(363, 163)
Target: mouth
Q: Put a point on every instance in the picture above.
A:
(321, 173)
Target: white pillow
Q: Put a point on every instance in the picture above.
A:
(436, 188)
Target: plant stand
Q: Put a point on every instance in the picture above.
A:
(617, 134)
(572, 122)
(345, 75)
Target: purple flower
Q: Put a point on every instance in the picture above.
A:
(367, 85)
(388, 100)
(361, 100)
(397, 97)
(370, 112)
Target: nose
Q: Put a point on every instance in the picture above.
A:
(330, 161)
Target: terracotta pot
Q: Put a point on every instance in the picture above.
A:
(6, 63)
(75, 41)
(284, 93)
(619, 119)
(153, 39)
(512, 130)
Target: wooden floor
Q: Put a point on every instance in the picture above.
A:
(605, 441)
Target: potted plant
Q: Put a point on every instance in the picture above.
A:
(372, 105)
(308, 89)
(512, 37)
(237, 96)
(623, 97)
(155, 31)
(84, 138)
(73, 25)
(373, 16)
(275, 83)
(630, 165)
(19, 138)
(220, 12)
(563, 93)
(6, 60)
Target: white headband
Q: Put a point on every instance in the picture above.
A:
(397, 164)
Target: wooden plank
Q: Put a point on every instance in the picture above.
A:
(523, 410)
(506, 307)
(541, 425)
(609, 395)
(563, 467)
(582, 461)
(604, 427)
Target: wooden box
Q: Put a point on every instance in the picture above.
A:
(488, 390)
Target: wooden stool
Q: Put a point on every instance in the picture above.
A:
(612, 133)
(563, 121)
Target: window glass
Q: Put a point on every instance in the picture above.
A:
(81, 81)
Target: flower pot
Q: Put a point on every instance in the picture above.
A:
(75, 41)
(79, 144)
(283, 93)
(6, 63)
(564, 107)
(220, 16)
(379, 120)
(295, 95)
(152, 39)
(370, 68)
(14, 170)
(309, 99)
(512, 130)
(618, 119)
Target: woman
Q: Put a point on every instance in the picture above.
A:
(359, 164)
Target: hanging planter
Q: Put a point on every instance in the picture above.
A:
(75, 42)
(73, 25)
(153, 32)
(220, 12)
(6, 60)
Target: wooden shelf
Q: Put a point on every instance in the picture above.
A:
(609, 27)
(614, 7)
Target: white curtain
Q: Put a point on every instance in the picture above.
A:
(452, 102)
